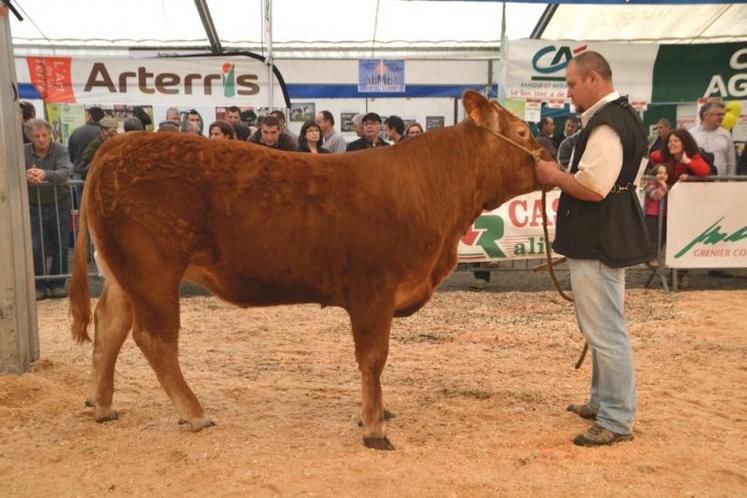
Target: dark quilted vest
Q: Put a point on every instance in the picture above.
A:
(614, 230)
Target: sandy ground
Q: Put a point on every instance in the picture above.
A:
(478, 382)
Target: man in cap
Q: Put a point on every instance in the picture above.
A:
(107, 129)
(371, 130)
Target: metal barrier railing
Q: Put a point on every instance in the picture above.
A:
(54, 230)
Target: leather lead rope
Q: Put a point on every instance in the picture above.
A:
(536, 156)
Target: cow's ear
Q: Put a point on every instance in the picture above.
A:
(479, 109)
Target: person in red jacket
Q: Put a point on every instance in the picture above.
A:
(681, 157)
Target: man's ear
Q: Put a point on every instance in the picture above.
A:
(478, 108)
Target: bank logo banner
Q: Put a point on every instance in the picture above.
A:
(512, 231)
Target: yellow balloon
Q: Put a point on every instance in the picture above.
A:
(729, 121)
(734, 107)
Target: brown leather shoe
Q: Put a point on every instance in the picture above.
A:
(597, 435)
(583, 411)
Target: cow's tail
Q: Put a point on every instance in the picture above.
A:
(80, 297)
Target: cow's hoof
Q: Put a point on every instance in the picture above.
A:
(199, 424)
(109, 416)
(89, 403)
(378, 443)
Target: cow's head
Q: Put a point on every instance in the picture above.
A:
(510, 169)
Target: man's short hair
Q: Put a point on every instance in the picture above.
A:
(187, 126)
(397, 123)
(38, 123)
(664, 121)
(96, 113)
(592, 61)
(357, 120)
(234, 108)
(270, 120)
(132, 124)
(280, 115)
(167, 127)
(328, 117)
(28, 111)
(709, 106)
(371, 116)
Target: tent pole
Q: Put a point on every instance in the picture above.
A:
(19, 337)
(207, 23)
(543, 21)
(267, 34)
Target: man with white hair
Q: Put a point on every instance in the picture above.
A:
(715, 139)
(48, 168)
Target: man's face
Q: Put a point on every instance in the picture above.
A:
(270, 134)
(712, 119)
(579, 89)
(107, 133)
(233, 116)
(322, 123)
(371, 129)
(281, 120)
(548, 127)
(662, 129)
(194, 119)
(41, 139)
(173, 116)
(570, 127)
(391, 133)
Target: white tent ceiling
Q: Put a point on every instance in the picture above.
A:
(344, 28)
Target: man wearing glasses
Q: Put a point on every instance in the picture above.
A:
(714, 139)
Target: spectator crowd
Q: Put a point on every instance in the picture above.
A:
(675, 155)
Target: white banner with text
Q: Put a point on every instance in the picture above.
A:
(513, 231)
(707, 225)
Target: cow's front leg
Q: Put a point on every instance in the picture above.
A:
(371, 326)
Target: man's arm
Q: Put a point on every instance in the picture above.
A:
(731, 157)
(62, 167)
(598, 168)
(549, 173)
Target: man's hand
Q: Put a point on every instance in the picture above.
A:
(34, 176)
(547, 172)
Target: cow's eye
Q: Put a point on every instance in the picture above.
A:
(523, 132)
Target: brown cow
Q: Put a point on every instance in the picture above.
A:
(373, 232)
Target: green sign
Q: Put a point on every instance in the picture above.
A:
(689, 72)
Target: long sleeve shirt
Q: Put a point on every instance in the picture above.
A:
(719, 143)
(58, 168)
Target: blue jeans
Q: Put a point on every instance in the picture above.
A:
(49, 238)
(599, 297)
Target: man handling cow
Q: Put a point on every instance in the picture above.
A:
(601, 229)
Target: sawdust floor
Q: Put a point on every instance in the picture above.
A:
(478, 382)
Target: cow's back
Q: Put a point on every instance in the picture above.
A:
(258, 226)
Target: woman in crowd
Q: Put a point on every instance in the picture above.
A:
(413, 129)
(222, 130)
(310, 138)
(680, 154)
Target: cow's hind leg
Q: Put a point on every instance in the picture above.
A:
(113, 320)
(371, 322)
(156, 330)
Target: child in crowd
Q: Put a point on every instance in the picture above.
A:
(656, 189)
